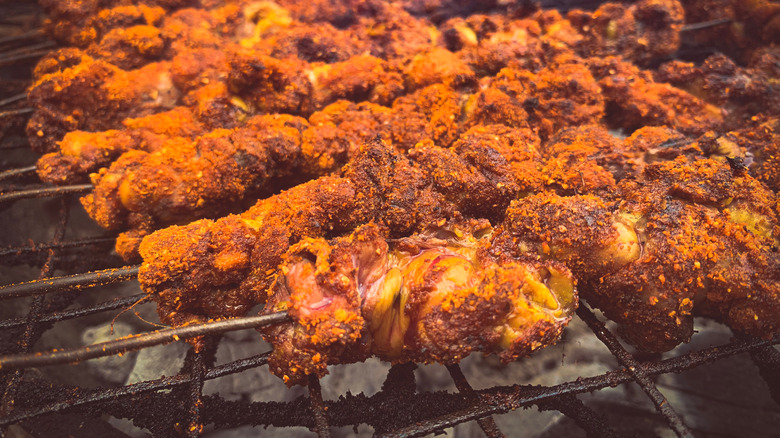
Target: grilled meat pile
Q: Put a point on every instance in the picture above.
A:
(428, 178)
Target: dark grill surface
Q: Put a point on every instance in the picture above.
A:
(45, 234)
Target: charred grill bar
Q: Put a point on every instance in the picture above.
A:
(630, 364)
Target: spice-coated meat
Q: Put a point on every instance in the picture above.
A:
(432, 297)
(686, 238)
(742, 27)
(433, 177)
(238, 254)
(641, 33)
(634, 100)
(225, 43)
(228, 62)
(215, 173)
(91, 94)
(740, 91)
(82, 152)
(690, 238)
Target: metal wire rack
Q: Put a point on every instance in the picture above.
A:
(177, 406)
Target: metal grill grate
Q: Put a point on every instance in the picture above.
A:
(399, 409)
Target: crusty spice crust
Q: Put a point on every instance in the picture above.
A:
(424, 298)
(362, 125)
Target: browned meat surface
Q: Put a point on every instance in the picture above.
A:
(690, 238)
(429, 178)
(433, 297)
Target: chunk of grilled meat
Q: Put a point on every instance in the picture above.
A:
(432, 297)
(691, 238)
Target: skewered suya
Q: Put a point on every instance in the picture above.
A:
(236, 256)
(147, 202)
(154, 55)
(482, 181)
(215, 173)
(232, 61)
(81, 152)
(688, 238)
(436, 296)
(735, 28)
(75, 91)
(95, 95)
(740, 91)
(235, 259)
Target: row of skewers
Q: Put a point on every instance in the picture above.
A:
(450, 184)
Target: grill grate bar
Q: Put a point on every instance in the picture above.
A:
(29, 335)
(69, 282)
(44, 192)
(767, 359)
(136, 342)
(344, 411)
(636, 370)
(487, 424)
(202, 359)
(116, 303)
(196, 404)
(103, 395)
(592, 423)
(386, 409)
(13, 173)
(38, 247)
(318, 408)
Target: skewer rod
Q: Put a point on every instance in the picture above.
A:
(46, 191)
(137, 342)
(69, 282)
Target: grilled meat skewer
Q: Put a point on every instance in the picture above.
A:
(688, 238)
(437, 296)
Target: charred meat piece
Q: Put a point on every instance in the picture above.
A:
(742, 92)
(691, 238)
(214, 174)
(686, 238)
(634, 100)
(81, 152)
(432, 297)
(643, 32)
(94, 95)
(218, 268)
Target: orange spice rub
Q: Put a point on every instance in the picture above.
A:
(75, 91)
(690, 238)
(685, 238)
(432, 297)
(190, 109)
(230, 62)
(237, 255)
